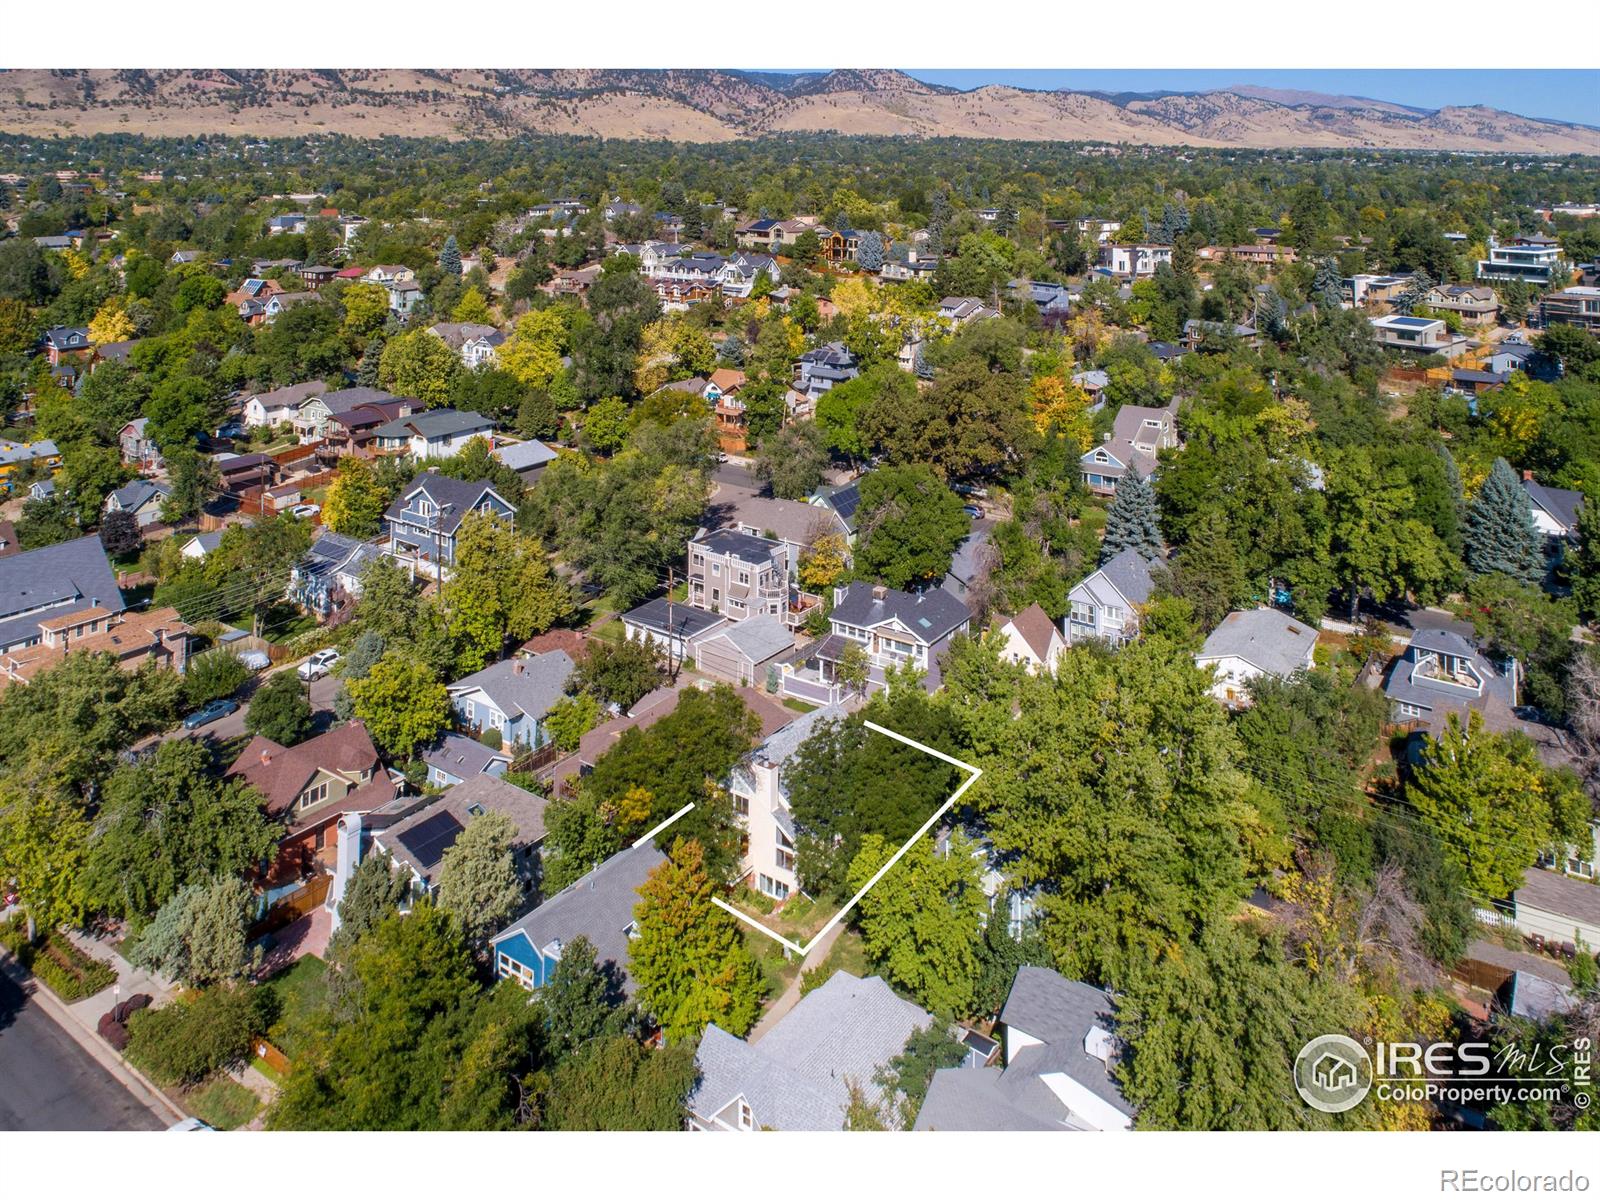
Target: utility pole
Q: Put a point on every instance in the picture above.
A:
(675, 659)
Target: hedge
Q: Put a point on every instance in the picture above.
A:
(192, 1038)
(56, 962)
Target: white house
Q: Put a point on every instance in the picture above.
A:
(761, 799)
(1030, 638)
(1250, 644)
(475, 343)
(1135, 261)
(142, 498)
(279, 406)
(433, 433)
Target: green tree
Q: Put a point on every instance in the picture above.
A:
(401, 702)
(620, 673)
(1131, 522)
(689, 961)
(502, 586)
(478, 878)
(43, 848)
(1500, 534)
(1493, 805)
(580, 999)
(570, 718)
(375, 891)
(920, 922)
(1377, 545)
(197, 936)
(356, 499)
(418, 364)
(213, 675)
(792, 461)
(910, 525)
(605, 347)
(280, 710)
(605, 425)
(617, 1084)
(972, 422)
(193, 478)
(185, 1043)
(450, 257)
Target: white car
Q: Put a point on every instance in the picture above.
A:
(318, 665)
(305, 511)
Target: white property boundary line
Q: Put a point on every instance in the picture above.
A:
(973, 774)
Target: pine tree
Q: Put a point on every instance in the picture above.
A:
(1327, 285)
(869, 254)
(367, 373)
(1584, 564)
(1501, 535)
(1131, 523)
(1415, 293)
(450, 257)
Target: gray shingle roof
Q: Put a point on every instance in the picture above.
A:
(1560, 503)
(527, 685)
(929, 615)
(599, 906)
(678, 619)
(462, 496)
(1129, 573)
(977, 1099)
(72, 575)
(797, 1076)
(1265, 638)
(758, 638)
(1060, 1012)
(435, 423)
(132, 496)
(483, 793)
(520, 456)
(461, 756)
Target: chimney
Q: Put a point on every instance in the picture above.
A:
(266, 757)
(516, 666)
(879, 592)
(1527, 476)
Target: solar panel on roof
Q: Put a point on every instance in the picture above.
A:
(428, 840)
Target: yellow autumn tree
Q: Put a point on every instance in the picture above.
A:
(855, 297)
(533, 351)
(824, 562)
(111, 323)
(473, 309)
(1062, 406)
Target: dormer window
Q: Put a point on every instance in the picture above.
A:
(747, 1119)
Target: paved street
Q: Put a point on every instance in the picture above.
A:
(48, 1082)
(232, 725)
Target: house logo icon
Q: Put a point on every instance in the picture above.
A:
(1333, 1073)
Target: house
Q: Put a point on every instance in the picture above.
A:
(1421, 335)
(280, 302)
(970, 564)
(842, 503)
(1030, 638)
(1442, 671)
(1263, 254)
(1468, 382)
(513, 697)
(455, 758)
(63, 342)
(528, 459)
(1059, 1055)
(1555, 510)
(915, 265)
(143, 498)
(1578, 306)
(1105, 606)
(1474, 305)
(961, 310)
(598, 907)
(389, 273)
(798, 1076)
(330, 572)
(16, 454)
(475, 343)
(742, 651)
(353, 432)
(1101, 229)
(740, 273)
(53, 582)
(761, 800)
(823, 368)
(1252, 643)
(432, 433)
(8, 540)
(1534, 259)
(722, 393)
(673, 627)
(423, 520)
(277, 407)
(314, 278)
(418, 842)
(309, 786)
(1137, 261)
(1198, 333)
(404, 296)
(1559, 910)
(738, 574)
(795, 523)
(895, 628)
(287, 223)
(1369, 291)
(1138, 435)
(201, 544)
(41, 489)
(133, 639)
(1053, 300)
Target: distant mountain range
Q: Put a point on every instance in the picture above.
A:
(714, 106)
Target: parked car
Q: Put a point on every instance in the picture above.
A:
(214, 711)
(318, 665)
(190, 1125)
(256, 660)
(305, 511)
(972, 510)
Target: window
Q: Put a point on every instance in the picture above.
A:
(746, 1117)
(784, 859)
(741, 804)
(314, 795)
(716, 568)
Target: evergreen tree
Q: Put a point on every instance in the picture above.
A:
(1584, 564)
(1415, 292)
(375, 890)
(1131, 522)
(579, 999)
(1501, 535)
(869, 253)
(1327, 285)
(450, 257)
(367, 373)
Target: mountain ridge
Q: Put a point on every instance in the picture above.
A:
(706, 105)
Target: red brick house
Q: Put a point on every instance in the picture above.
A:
(310, 786)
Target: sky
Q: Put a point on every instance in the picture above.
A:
(1561, 95)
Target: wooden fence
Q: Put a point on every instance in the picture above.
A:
(291, 908)
(266, 1052)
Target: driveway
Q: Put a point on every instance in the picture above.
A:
(231, 726)
(51, 1083)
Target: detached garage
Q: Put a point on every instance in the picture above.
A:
(741, 652)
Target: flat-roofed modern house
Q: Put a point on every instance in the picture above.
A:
(1578, 306)
(599, 907)
(1253, 643)
(1060, 1050)
(1421, 335)
(798, 1076)
(1137, 261)
(1533, 259)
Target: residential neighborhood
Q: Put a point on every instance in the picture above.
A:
(632, 634)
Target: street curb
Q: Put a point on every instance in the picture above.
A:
(125, 1072)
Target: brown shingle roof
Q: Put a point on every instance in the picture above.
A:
(281, 773)
(1036, 628)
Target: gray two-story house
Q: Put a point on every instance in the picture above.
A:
(423, 521)
(1105, 606)
(1442, 671)
(895, 628)
(738, 574)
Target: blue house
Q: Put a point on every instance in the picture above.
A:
(513, 696)
(423, 520)
(455, 759)
(599, 907)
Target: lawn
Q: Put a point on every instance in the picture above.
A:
(777, 970)
(222, 1102)
(300, 993)
(799, 706)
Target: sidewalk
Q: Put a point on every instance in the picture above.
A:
(130, 982)
(72, 1021)
(791, 994)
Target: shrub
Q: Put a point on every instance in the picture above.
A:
(56, 962)
(490, 738)
(186, 1041)
(213, 675)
